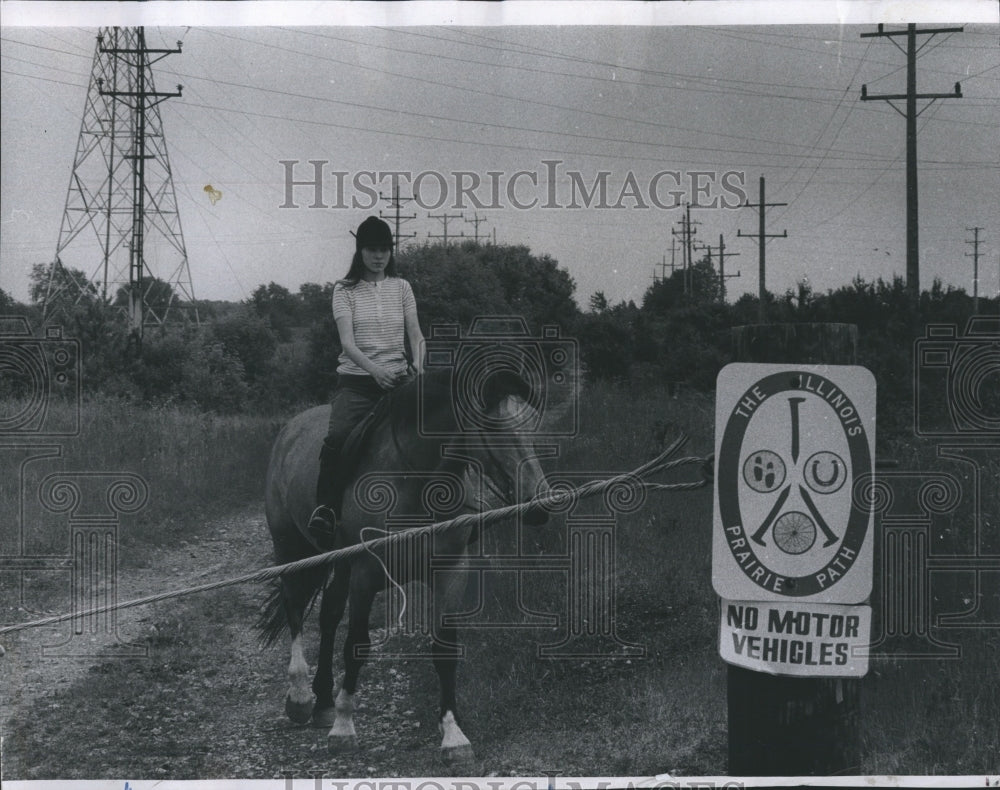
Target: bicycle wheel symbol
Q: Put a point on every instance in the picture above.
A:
(794, 532)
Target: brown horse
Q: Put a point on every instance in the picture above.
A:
(404, 450)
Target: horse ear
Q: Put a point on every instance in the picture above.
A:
(501, 384)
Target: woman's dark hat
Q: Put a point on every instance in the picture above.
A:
(373, 232)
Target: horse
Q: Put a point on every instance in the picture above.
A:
(415, 432)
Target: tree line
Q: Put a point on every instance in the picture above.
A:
(278, 349)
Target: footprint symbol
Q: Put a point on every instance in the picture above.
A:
(763, 471)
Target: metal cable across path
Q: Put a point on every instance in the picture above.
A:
(633, 479)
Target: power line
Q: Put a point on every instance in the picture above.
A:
(700, 89)
(949, 164)
(819, 137)
(535, 149)
(551, 54)
(728, 34)
(479, 123)
(504, 127)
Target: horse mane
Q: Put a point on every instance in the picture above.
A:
(434, 391)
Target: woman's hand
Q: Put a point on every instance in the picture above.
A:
(385, 379)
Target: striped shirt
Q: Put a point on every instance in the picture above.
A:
(377, 311)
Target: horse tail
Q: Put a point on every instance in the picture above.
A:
(272, 620)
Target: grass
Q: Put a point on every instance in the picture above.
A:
(663, 712)
(195, 466)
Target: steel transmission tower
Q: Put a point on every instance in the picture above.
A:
(121, 225)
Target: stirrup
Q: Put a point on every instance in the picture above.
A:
(322, 527)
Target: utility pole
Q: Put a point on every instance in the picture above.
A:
(911, 113)
(762, 237)
(974, 241)
(722, 264)
(475, 221)
(683, 233)
(444, 219)
(687, 243)
(662, 266)
(396, 203)
(121, 186)
(722, 269)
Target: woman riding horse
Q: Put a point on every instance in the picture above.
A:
(374, 310)
(396, 472)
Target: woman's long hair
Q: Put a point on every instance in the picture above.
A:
(357, 270)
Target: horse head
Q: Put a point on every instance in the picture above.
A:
(509, 457)
(490, 427)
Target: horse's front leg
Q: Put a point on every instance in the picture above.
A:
(447, 593)
(363, 587)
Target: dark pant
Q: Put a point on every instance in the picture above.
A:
(353, 398)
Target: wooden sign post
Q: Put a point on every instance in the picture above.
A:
(781, 725)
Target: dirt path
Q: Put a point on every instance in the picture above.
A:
(47, 697)
(207, 701)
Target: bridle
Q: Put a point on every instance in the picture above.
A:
(493, 461)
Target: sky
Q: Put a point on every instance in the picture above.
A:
(533, 112)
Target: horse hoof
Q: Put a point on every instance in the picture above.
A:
(339, 744)
(324, 717)
(458, 755)
(299, 712)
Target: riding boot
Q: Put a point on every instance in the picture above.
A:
(329, 496)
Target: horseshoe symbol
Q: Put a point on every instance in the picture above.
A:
(813, 472)
(820, 481)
